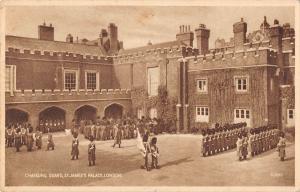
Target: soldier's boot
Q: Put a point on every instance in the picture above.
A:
(93, 162)
(90, 163)
(245, 157)
(119, 145)
(240, 158)
(282, 158)
(252, 154)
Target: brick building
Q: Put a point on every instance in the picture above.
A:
(250, 78)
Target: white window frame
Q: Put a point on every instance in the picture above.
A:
(76, 71)
(236, 78)
(97, 79)
(13, 78)
(290, 121)
(202, 114)
(155, 92)
(205, 88)
(240, 115)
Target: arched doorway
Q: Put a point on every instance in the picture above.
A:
(113, 111)
(15, 116)
(85, 112)
(52, 118)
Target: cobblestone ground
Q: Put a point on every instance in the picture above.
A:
(180, 161)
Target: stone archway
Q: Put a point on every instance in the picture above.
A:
(85, 112)
(15, 115)
(114, 111)
(54, 117)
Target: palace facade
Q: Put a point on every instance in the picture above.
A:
(248, 78)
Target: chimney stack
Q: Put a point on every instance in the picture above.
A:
(202, 34)
(46, 32)
(185, 35)
(239, 30)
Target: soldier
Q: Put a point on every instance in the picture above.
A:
(147, 150)
(51, 125)
(47, 129)
(154, 153)
(97, 127)
(81, 125)
(29, 139)
(50, 143)
(245, 146)
(203, 143)
(281, 146)
(38, 139)
(55, 125)
(118, 135)
(251, 142)
(92, 151)
(239, 148)
(18, 139)
(9, 136)
(75, 144)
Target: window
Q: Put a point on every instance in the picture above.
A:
(153, 81)
(70, 77)
(202, 114)
(202, 85)
(242, 115)
(290, 113)
(153, 113)
(290, 117)
(241, 84)
(10, 78)
(92, 80)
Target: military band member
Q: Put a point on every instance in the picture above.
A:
(18, 139)
(75, 145)
(281, 146)
(55, 125)
(92, 151)
(51, 125)
(38, 139)
(154, 153)
(47, 129)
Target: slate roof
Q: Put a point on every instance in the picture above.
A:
(153, 46)
(55, 46)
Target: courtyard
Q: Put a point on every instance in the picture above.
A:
(180, 161)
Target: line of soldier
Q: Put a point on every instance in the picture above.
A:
(257, 141)
(220, 138)
(19, 134)
(52, 125)
(107, 129)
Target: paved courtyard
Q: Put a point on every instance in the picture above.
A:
(180, 161)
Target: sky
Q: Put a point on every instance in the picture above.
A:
(138, 25)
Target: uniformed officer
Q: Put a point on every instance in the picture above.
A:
(38, 139)
(18, 139)
(75, 145)
(239, 148)
(29, 139)
(92, 151)
(203, 143)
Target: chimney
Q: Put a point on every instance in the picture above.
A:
(239, 30)
(185, 35)
(113, 37)
(46, 32)
(202, 34)
(69, 38)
